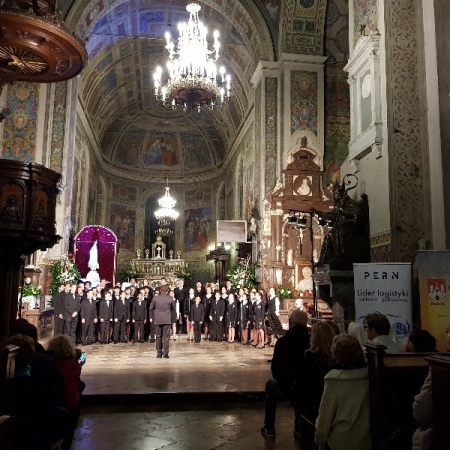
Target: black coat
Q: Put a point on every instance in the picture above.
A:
(105, 312)
(217, 308)
(88, 310)
(71, 305)
(288, 359)
(121, 310)
(197, 313)
(139, 310)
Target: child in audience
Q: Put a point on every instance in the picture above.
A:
(420, 341)
(344, 415)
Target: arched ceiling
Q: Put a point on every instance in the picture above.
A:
(125, 42)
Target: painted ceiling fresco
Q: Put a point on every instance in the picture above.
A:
(125, 42)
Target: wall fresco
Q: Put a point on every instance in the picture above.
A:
(198, 197)
(365, 17)
(19, 130)
(197, 229)
(304, 101)
(122, 222)
(58, 126)
(124, 193)
(271, 100)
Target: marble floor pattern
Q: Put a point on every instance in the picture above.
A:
(203, 367)
(207, 367)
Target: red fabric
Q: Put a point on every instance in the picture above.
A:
(71, 371)
(108, 248)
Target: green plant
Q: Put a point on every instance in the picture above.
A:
(132, 272)
(31, 290)
(242, 275)
(285, 292)
(183, 273)
(63, 271)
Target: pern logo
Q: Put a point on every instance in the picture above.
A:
(375, 275)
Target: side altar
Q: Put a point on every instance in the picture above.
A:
(155, 265)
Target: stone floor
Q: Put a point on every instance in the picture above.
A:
(135, 401)
(205, 367)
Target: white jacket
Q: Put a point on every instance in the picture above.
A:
(423, 413)
(344, 413)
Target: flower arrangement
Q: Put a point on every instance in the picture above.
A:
(183, 273)
(30, 290)
(285, 292)
(242, 274)
(63, 271)
(132, 272)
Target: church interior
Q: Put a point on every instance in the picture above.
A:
(318, 95)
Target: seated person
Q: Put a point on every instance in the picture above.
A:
(65, 355)
(357, 330)
(26, 400)
(378, 328)
(318, 362)
(287, 362)
(344, 413)
(420, 341)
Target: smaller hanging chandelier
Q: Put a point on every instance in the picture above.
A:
(166, 213)
(192, 72)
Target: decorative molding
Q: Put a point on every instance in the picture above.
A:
(366, 98)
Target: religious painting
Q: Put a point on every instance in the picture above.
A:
(365, 17)
(161, 152)
(331, 177)
(197, 154)
(303, 277)
(273, 7)
(304, 101)
(122, 222)
(303, 186)
(197, 229)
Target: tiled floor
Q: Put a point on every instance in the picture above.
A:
(147, 421)
(204, 367)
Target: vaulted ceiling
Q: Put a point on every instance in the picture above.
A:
(125, 42)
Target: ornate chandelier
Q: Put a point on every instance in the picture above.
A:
(166, 213)
(192, 72)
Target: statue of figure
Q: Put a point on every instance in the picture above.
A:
(138, 253)
(11, 211)
(347, 219)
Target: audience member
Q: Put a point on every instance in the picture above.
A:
(357, 330)
(344, 415)
(65, 355)
(287, 364)
(420, 341)
(423, 414)
(378, 328)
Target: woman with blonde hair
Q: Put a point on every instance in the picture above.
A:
(344, 415)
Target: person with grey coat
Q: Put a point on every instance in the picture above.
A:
(162, 306)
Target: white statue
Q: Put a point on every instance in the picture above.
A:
(290, 259)
(93, 277)
(307, 283)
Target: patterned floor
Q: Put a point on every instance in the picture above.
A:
(207, 369)
(203, 367)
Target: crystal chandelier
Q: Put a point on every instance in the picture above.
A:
(166, 213)
(192, 72)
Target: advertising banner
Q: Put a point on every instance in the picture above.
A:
(385, 288)
(433, 271)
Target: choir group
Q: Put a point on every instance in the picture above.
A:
(123, 313)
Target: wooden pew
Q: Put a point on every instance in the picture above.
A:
(7, 362)
(394, 381)
(440, 379)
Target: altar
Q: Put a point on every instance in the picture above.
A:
(155, 264)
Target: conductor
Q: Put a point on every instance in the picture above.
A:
(162, 304)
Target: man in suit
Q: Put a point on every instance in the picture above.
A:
(216, 316)
(139, 316)
(121, 318)
(70, 312)
(88, 314)
(58, 308)
(162, 304)
(105, 317)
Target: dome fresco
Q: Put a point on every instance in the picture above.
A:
(125, 42)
